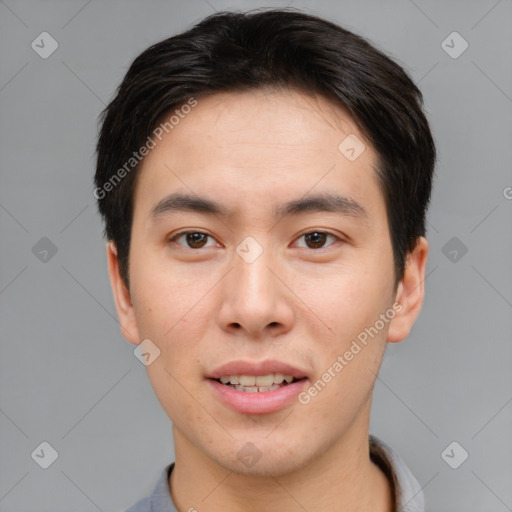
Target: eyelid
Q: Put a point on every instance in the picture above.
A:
(322, 231)
(186, 232)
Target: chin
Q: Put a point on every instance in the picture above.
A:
(262, 459)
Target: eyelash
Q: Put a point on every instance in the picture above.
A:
(182, 233)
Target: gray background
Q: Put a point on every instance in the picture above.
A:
(67, 375)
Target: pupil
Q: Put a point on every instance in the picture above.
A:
(196, 238)
(316, 239)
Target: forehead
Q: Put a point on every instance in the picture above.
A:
(259, 144)
(277, 120)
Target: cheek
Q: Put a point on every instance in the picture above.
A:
(171, 310)
(346, 301)
(163, 297)
(349, 354)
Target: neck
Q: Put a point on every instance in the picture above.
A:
(342, 478)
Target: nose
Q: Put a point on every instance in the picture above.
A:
(256, 301)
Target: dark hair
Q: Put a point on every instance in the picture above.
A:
(232, 51)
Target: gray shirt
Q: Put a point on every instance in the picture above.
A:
(408, 492)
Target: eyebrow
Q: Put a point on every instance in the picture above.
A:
(326, 202)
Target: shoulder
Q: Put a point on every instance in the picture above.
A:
(160, 498)
(408, 492)
(143, 505)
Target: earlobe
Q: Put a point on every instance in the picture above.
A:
(122, 297)
(410, 293)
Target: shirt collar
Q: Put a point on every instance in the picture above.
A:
(409, 495)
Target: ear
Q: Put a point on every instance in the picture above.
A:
(122, 297)
(410, 293)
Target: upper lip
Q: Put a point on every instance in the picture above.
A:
(256, 368)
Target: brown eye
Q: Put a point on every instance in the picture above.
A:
(196, 240)
(193, 239)
(316, 239)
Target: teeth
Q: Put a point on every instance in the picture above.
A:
(265, 380)
(254, 389)
(278, 378)
(247, 380)
(258, 381)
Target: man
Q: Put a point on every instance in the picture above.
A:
(264, 179)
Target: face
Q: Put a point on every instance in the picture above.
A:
(278, 261)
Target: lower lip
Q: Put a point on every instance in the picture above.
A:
(261, 402)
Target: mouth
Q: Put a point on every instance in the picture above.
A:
(258, 383)
(257, 387)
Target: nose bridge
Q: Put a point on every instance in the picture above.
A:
(255, 299)
(253, 279)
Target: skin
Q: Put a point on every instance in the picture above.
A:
(205, 306)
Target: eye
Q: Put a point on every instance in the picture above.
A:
(193, 239)
(316, 239)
